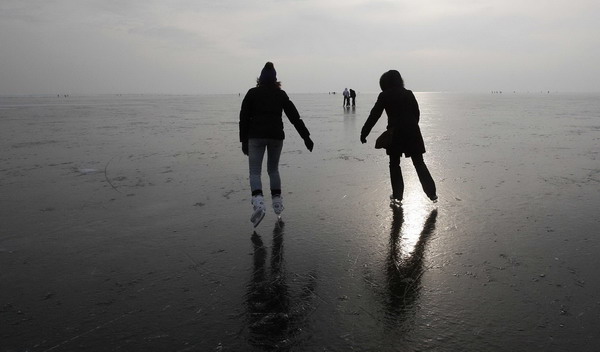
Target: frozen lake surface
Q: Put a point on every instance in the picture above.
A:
(125, 226)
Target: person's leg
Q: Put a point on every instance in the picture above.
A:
(274, 148)
(256, 152)
(424, 176)
(273, 154)
(396, 177)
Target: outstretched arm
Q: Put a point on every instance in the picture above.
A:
(372, 119)
(294, 116)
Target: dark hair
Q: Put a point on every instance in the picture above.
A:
(391, 79)
(275, 84)
(268, 76)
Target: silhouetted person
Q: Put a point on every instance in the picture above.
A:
(353, 96)
(346, 97)
(403, 115)
(261, 128)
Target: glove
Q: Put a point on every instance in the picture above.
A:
(309, 143)
(363, 139)
(245, 148)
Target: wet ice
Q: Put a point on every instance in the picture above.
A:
(155, 249)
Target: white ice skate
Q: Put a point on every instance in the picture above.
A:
(278, 205)
(259, 210)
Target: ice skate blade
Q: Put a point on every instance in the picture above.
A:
(257, 217)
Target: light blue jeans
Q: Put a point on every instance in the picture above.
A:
(256, 152)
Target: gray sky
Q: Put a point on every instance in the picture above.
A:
(220, 46)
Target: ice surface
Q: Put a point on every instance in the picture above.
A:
(154, 251)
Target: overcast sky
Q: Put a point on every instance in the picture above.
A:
(220, 46)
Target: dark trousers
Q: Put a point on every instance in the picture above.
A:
(424, 176)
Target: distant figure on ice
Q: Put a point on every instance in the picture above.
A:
(261, 128)
(353, 96)
(403, 115)
(346, 97)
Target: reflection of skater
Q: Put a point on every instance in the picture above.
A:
(274, 318)
(346, 97)
(261, 127)
(353, 96)
(404, 270)
(403, 114)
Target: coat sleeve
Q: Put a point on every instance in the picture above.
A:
(414, 107)
(245, 115)
(294, 116)
(374, 116)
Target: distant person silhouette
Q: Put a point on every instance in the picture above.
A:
(353, 96)
(346, 97)
(403, 115)
(261, 128)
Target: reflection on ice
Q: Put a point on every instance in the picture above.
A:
(404, 269)
(274, 316)
(414, 218)
(510, 264)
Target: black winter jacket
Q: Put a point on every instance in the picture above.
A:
(403, 114)
(261, 114)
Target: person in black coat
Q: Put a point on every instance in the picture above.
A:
(261, 129)
(403, 115)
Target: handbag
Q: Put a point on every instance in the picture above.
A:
(384, 141)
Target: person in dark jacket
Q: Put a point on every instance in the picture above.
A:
(261, 128)
(353, 97)
(403, 114)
